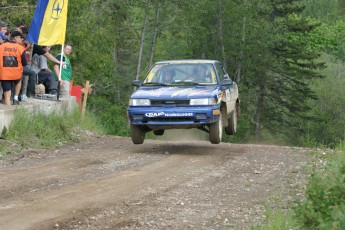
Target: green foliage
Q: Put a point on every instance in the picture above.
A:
(16, 12)
(324, 207)
(46, 131)
(113, 118)
(277, 81)
(328, 127)
(324, 10)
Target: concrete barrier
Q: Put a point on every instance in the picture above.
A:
(66, 103)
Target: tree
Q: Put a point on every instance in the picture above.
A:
(16, 13)
(286, 66)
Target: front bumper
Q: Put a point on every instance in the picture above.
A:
(173, 117)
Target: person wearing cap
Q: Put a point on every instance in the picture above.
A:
(12, 61)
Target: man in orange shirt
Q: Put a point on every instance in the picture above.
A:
(12, 60)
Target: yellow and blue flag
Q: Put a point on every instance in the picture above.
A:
(48, 26)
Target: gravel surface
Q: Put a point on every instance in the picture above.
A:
(106, 182)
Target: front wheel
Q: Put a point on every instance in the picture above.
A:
(216, 131)
(137, 134)
(232, 124)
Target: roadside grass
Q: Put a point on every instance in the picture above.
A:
(324, 204)
(277, 219)
(39, 130)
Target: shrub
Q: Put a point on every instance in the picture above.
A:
(324, 206)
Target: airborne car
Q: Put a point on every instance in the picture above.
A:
(184, 94)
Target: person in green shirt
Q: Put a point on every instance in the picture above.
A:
(66, 73)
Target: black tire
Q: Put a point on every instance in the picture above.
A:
(216, 131)
(158, 132)
(232, 124)
(137, 134)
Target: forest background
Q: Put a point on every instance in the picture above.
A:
(287, 57)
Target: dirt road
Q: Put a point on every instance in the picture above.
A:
(107, 182)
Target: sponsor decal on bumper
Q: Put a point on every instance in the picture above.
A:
(160, 114)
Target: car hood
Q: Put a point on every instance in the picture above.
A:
(182, 92)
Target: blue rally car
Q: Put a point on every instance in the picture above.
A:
(184, 94)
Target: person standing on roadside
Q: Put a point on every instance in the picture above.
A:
(12, 62)
(66, 72)
(1, 93)
(29, 77)
(3, 39)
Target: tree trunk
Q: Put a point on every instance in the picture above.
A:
(220, 15)
(142, 41)
(116, 64)
(259, 111)
(239, 65)
(155, 32)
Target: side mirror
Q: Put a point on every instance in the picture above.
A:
(227, 82)
(137, 83)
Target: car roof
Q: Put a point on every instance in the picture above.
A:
(188, 61)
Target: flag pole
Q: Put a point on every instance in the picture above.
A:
(60, 78)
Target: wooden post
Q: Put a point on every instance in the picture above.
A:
(86, 90)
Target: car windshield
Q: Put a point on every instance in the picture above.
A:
(181, 74)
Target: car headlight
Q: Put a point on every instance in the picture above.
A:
(203, 101)
(139, 102)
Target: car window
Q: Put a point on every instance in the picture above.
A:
(222, 73)
(182, 73)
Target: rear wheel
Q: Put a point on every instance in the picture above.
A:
(158, 132)
(137, 134)
(216, 131)
(232, 124)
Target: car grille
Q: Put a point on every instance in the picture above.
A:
(169, 102)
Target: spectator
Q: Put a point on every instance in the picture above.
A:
(1, 93)
(40, 51)
(29, 76)
(3, 38)
(3, 31)
(24, 30)
(44, 74)
(66, 72)
(29, 80)
(12, 60)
